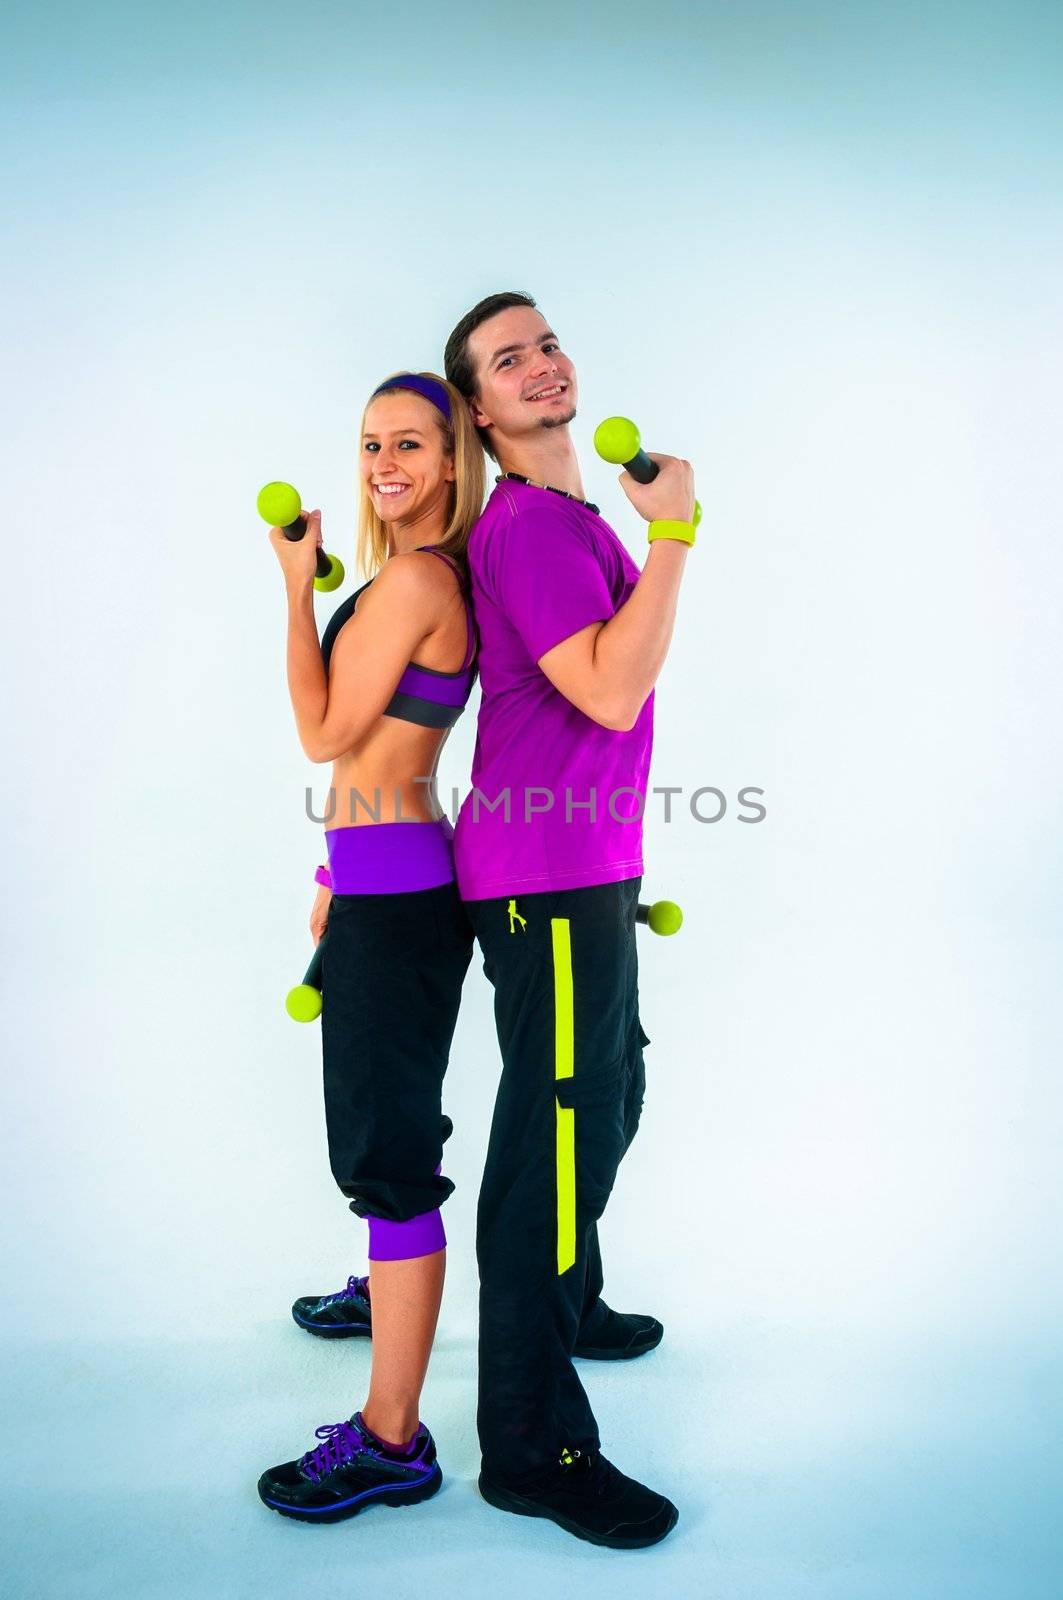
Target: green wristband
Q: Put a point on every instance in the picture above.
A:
(665, 529)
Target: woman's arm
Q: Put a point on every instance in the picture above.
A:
(307, 683)
(401, 608)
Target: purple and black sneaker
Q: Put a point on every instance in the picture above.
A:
(349, 1472)
(343, 1315)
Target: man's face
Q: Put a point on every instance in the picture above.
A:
(524, 381)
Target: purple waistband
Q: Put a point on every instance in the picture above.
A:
(390, 857)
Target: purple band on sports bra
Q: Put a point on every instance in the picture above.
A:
(428, 387)
(390, 857)
(443, 688)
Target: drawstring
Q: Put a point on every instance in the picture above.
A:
(515, 914)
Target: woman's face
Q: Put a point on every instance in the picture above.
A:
(404, 463)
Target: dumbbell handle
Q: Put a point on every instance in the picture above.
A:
(313, 971)
(641, 468)
(295, 531)
(303, 1003)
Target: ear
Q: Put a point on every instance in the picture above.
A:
(480, 418)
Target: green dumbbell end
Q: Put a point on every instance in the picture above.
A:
(333, 579)
(279, 504)
(697, 512)
(617, 440)
(303, 1003)
(665, 917)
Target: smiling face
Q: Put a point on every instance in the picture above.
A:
(524, 382)
(405, 466)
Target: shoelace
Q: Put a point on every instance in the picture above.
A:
(342, 1444)
(343, 1441)
(585, 1470)
(355, 1287)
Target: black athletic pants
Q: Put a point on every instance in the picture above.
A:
(392, 973)
(565, 973)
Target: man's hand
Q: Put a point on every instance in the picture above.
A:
(670, 497)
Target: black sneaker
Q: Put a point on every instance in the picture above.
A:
(343, 1315)
(617, 1335)
(350, 1472)
(587, 1496)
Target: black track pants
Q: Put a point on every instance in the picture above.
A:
(565, 973)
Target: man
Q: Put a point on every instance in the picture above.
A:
(548, 850)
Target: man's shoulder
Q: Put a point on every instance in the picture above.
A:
(510, 509)
(501, 508)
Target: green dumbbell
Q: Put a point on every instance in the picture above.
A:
(617, 440)
(303, 1003)
(663, 917)
(280, 505)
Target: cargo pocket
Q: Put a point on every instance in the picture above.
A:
(591, 1141)
(593, 1086)
(589, 1102)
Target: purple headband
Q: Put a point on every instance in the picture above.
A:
(428, 387)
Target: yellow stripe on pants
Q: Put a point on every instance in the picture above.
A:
(564, 1067)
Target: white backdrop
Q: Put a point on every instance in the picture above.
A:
(813, 248)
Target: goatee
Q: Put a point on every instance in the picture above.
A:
(558, 422)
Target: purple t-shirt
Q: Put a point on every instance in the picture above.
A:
(544, 567)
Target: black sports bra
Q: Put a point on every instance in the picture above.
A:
(423, 695)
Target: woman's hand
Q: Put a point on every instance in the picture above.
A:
(298, 557)
(319, 915)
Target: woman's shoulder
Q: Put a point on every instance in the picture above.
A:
(412, 579)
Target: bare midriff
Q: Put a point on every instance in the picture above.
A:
(384, 768)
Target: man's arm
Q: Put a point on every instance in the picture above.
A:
(609, 668)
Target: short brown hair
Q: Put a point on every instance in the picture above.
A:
(457, 363)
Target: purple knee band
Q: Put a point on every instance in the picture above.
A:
(405, 1241)
(402, 1241)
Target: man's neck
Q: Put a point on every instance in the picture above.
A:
(548, 456)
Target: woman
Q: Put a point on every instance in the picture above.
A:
(378, 697)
